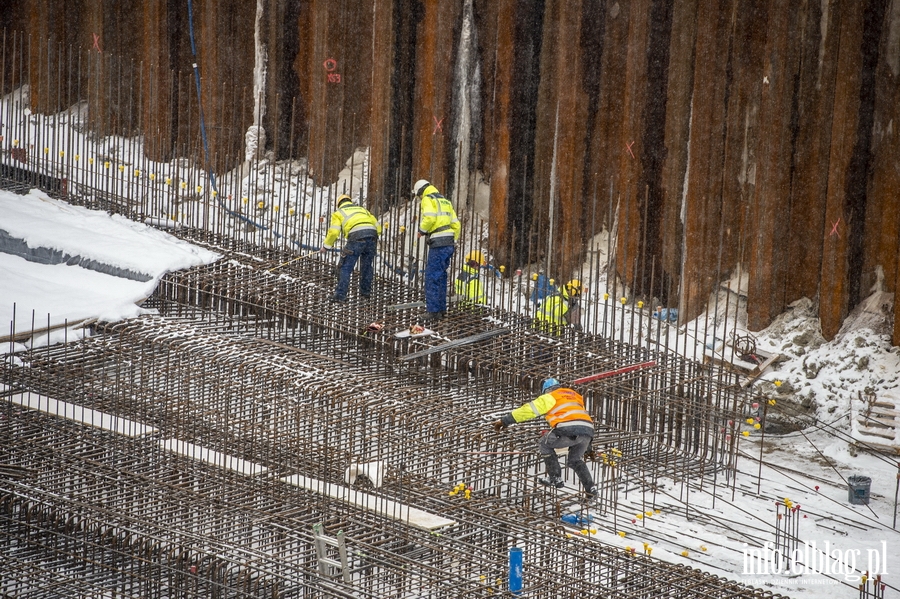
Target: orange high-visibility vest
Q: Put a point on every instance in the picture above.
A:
(569, 407)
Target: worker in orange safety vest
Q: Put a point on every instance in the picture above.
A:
(572, 427)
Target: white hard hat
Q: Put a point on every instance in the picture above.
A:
(419, 186)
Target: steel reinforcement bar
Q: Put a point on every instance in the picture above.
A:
(127, 512)
(680, 403)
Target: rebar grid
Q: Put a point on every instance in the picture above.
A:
(231, 393)
(198, 530)
(686, 405)
(280, 406)
(179, 517)
(158, 524)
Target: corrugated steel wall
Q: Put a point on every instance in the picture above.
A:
(712, 134)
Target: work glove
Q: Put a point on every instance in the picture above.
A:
(499, 426)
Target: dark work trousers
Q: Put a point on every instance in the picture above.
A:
(364, 251)
(436, 278)
(577, 443)
(557, 438)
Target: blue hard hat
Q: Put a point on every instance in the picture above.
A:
(549, 385)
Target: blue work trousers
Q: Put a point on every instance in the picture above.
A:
(436, 277)
(364, 251)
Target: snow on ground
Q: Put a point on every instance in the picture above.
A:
(37, 296)
(108, 239)
(828, 386)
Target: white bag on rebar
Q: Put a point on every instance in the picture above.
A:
(373, 471)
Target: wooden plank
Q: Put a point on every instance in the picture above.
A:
(875, 446)
(455, 343)
(372, 503)
(883, 433)
(873, 419)
(762, 369)
(214, 458)
(81, 415)
(768, 362)
(408, 334)
(23, 335)
(406, 306)
(884, 412)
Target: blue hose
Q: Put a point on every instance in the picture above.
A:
(212, 175)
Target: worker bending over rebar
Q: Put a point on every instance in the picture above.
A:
(572, 427)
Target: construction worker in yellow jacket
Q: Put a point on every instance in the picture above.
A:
(571, 426)
(439, 225)
(468, 284)
(361, 229)
(560, 308)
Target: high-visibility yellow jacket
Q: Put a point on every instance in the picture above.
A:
(468, 285)
(438, 220)
(560, 407)
(355, 222)
(554, 309)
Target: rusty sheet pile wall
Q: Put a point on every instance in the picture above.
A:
(716, 138)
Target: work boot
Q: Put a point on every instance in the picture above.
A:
(587, 481)
(431, 317)
(554, 472)
(337, 300)
(552, 481)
